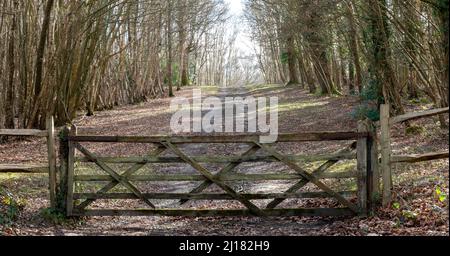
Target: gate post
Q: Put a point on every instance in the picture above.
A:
(51, 160)
(362, 168)
(63, 162)
(374, 194)
(386, 153)
(70, 173)
(66, 155)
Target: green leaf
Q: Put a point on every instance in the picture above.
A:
(396, 205)
(442, 198)
(438, 191)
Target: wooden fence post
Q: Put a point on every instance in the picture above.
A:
(362, 169)
(386, 153)
(51, 160)
(61, 196)
(70, 172)
(374, 179)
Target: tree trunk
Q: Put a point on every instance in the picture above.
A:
(318, 46)
(353, 39)
(380, 62)
(39, 64)
(322, 71)
(444, 26)
(351, 77)
(11, 93)
(410, 19)
(169, 47)
(293, 79)
(183, 51)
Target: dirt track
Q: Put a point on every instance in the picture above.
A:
(298, 112)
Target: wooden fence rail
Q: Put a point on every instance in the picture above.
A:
(50, 168)
(79, 203)
(387, 159)
(233, 139)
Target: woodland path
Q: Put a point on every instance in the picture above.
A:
(299, 111)
(203, 226)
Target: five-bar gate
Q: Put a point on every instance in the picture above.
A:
(356, 202)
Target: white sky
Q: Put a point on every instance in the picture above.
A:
(243, 42)
(236, 6)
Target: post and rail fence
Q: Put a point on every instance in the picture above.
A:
(387, 159)
(372, 168)
(50, 168)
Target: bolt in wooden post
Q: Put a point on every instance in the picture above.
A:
(51, 160)
(362, 168)
(386, 154)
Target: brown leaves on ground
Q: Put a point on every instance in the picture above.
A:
(420, 204)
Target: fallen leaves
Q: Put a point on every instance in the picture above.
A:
(420, 204)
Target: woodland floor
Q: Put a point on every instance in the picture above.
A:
(417, 209)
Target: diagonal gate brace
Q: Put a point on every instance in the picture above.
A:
(207, 174)
(311, 178)
(227, 169)
(303, 182)
(118, 179)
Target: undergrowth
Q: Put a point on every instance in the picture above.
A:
(10, 207)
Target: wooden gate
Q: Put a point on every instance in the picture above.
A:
(354, 202)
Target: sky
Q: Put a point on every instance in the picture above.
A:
(243, 42)
(236, 6)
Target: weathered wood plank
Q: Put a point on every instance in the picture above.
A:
(415, 158)
(51, 154)
(228, 177)
(63, 170)
(297, 137)
(23, 132)
(417, 115)
(23, 168)
(206, 213)
(220, 159)
(209, 196)
(70, 171)
(362, 168)
(374, 175)
(386, 154)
